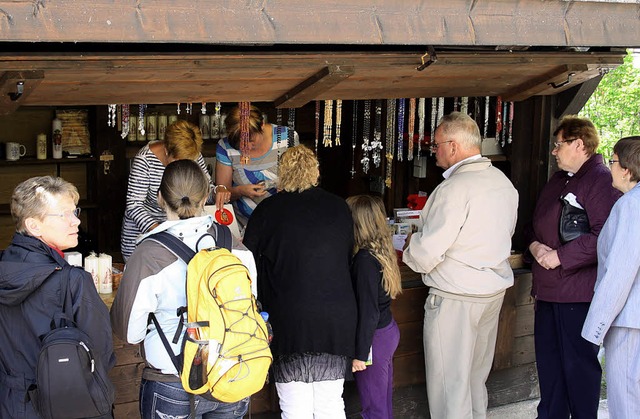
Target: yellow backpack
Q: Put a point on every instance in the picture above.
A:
(225, 349)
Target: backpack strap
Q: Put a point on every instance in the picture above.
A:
(165, 342)
(224, 237)
(174, 244)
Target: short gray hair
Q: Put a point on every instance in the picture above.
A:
(33, 198)
(462, 128)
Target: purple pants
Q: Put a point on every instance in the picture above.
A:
(375, 384)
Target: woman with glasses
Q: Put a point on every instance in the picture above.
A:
(614, 315)
(33, 272)
(564, 273)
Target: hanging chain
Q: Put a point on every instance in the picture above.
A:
(354, 136)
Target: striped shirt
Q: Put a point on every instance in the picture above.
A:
(263, 168)
(142, 209)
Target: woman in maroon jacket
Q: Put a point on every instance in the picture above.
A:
(564, 274)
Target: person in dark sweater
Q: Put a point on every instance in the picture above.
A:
(376, 281)
(302, 240)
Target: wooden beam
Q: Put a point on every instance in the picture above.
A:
(10, 99)
(315, 85)
(560, 76)
(571, 101)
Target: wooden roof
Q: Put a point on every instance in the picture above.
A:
(291, 52)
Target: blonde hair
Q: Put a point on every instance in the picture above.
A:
(372, 233)
(298, 169)
(33, 198)
(184, 188)
(183, 140)
(232, 123)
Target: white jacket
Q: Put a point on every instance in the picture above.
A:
(465, 241)
(154, 282)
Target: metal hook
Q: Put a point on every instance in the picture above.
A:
(19, 90)
(564, 83)
(431, 53)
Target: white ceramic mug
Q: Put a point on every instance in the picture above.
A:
(15, 151)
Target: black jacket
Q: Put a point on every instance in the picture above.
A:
(30, 287)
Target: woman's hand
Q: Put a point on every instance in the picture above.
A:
(358, 365)
(544, 255)
(251, 191)
(223, 196)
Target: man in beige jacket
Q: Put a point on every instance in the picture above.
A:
(462, 253)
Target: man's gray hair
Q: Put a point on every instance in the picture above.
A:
(461, 128)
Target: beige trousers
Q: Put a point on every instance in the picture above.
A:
(459, 342)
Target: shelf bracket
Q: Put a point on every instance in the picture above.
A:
(314, 86)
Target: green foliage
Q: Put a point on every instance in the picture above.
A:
(614, 107)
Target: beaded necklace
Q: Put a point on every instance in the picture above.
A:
(391, 115)
(328, 123)
(412, 127)
(421, 122)
(354, 136)
(338, 120)
(376, 144)
(366, 126)
(401, 105)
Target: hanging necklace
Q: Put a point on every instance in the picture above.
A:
(511, 112)
(465, 105)
(366, 127)
(498, 117)
(440, 108)
(421, 121)
(141, 109)
(125, 121)
(412, 127)
(279, 116)
(391, 114)
(291, 124)
(486, 117)
(503, 134)
(401, 104)
(354, 136)
(434, 113)
(317, 124)
(338, 120)
(376, 144)
(328, 123)
(245, 111)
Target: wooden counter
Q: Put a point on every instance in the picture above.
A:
(513, 377)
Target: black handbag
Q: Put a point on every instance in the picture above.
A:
(574, 222)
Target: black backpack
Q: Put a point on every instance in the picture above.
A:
(71, 381)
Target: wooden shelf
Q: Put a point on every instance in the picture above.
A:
(33, 161)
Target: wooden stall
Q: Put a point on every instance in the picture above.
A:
(545, 56)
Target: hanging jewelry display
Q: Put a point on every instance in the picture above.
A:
(125, 121)
(412, 127)
(503, 134)
(376, 144)
(354, 137)
(291, 124)
(111, 118)
(498, 117)
(245, 111)
(366, 127)
(204, 122)
(440, 108)
(401, 106)
(178, 110)
(216, 123)
(317, 124)
(464, 108)
(189, 108)
(328, 123)
(455, 104)
(141, 120)
(434, 113)
(486, 117)
(338, 120)
(203, 108)
(511, 111)
(391, 116)
(279, 116)
(421, 121)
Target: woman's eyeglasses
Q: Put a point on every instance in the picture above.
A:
(67, 214)
(611, 161)
(557, 144)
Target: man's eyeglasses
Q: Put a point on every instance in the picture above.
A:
(67, 214)
(557, 144)
(435, 146)
(611, 161)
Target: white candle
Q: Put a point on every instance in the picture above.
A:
(73, 258)
(91, 266)
(104, 274)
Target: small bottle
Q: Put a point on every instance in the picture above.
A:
(56, 137)
(265, 317)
